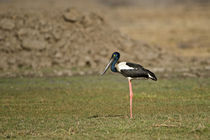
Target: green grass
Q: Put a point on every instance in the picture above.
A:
(95, 107)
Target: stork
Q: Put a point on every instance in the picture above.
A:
(129, 70)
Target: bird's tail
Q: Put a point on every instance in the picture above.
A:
(151, 75)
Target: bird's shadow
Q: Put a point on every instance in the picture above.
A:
(107, 116)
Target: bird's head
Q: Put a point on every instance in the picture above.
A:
(115, 56)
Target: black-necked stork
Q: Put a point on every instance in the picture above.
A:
(129, 70)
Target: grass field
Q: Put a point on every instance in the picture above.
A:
(95, 107)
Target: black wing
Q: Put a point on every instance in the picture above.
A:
(137, 72)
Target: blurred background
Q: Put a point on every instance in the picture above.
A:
(77, 37)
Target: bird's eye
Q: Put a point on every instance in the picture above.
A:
(114, 55)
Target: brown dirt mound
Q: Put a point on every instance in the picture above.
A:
(33, 43)
(66, 43)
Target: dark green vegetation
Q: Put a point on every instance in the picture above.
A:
(95, 107)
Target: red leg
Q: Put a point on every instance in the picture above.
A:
(131, 97)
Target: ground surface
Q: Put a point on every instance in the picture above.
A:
(94, 107)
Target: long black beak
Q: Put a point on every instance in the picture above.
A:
(107, 67)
